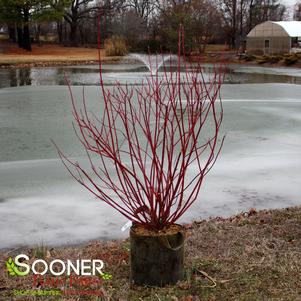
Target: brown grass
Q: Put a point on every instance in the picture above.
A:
(253, 256)
(115, 46)
(216, 48)
(49, 54)
(293, 60)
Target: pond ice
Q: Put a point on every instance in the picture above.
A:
(260, 164)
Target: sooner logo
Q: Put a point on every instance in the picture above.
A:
(83, 267)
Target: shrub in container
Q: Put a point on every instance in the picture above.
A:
(152, 146)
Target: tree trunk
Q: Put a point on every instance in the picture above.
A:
(72, 36)
(241, 19)
(20, 36)
(251, 7)
(65, 33)
(233, 33)
(84, 38)
(26, 32)
(59, 27)
(38, 34)
(12, 33)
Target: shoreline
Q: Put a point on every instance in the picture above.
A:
(117, 60)
(49, 64)
(58, 63)
(49, 55)
(206, 59)
(188, 226)
(255, 255)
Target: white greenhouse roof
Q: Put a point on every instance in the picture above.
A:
(293, 28)
(277, 29)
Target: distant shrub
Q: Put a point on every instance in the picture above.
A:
(287, 55)
(262, 59)
(287, 59)
(249, 57)
(3, 36)
(271, 59)
(115, 46)
(290, 59)
(298, 55)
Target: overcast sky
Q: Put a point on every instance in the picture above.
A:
(289, 2)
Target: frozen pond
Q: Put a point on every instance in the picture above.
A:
(260, 164)
(89, 75)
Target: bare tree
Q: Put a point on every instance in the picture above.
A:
(131, 26)
(80, 10)
(206, 23)
(201, 20)
(229, 10)
(297, 12)
(143, 8)
(240, 16)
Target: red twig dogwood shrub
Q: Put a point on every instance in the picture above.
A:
(153, 144)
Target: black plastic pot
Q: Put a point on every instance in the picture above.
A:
(157, 258)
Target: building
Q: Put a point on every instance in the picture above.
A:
(275, 38)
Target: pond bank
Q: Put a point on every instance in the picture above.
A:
(55, 55)
(251, 256)
(10, 65)
(49, 55)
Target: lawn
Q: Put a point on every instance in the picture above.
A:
(252, 256)
(49, 54)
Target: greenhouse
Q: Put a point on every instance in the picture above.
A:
(272, 38)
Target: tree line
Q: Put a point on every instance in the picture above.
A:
(142, 23)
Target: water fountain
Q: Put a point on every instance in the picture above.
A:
(152, 62)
